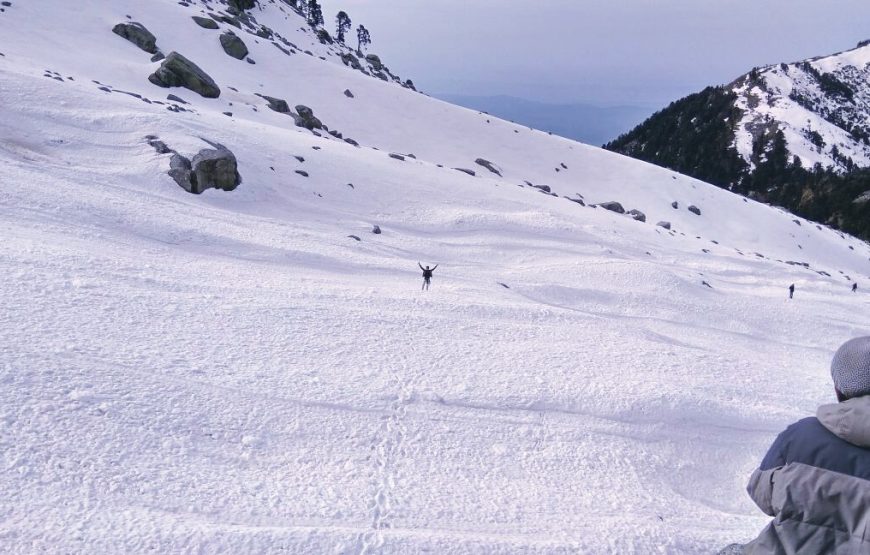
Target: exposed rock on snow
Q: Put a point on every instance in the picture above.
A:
(277, 104)
(376, 230)
(637, 215)
(466, 170)
(675, 205)
(664, 224)
(375, 62)
(695, 210)
(613, 206)
(488, 165)
(137, 34)
(233, 45)
(242, 5)
(347, 93)
(395, 156)
(211, 168)
(304, 117)
(205, 22)
(178, 71)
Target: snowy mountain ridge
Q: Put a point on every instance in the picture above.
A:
(822, 105)
(256, 370)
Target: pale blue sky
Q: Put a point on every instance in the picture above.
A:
(642, 52)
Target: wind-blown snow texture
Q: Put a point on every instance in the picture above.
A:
(822, 106)
(230, 372)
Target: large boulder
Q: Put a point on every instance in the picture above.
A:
(277, 104)
(211, 168)
(178, 71)
(242, 5)
(637, 215)
(205, 22)
(375, 62)
(351, 60)
(138, 35)
(613, 206)
(233, 45)
(305, 118)
(695, 210)
(488, 165)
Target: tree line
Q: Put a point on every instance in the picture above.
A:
(313, 13)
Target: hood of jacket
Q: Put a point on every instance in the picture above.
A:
(849, 420)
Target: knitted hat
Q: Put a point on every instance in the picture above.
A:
(851, 368)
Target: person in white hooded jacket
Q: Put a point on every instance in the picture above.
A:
(815, 479)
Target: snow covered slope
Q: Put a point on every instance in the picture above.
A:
(821, 105)
(231, 372)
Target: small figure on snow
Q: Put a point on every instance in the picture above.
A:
(791, 291)
(814, 479)
(855, 287)
(427, 275)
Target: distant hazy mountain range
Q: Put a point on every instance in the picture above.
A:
(587, 123)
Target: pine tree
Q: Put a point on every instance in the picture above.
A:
(315, 13)
(343, 25)
(363, 38)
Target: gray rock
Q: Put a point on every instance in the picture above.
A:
(675, 205)
(205, 22)
(157, 57)
(303, 173)
(351, 60)
(488, 165)
(545, 188)
(354, 237)
(375, 62)
(376, 230)
(277, 104)
(211, 168)
(138, 35)
(637, 215)
(178, 71)
(174, 98)
(250, 61)
(351, 141)
(666, 225)
(395, 156)
(613, 206)
(694, 210)
(233, 45)
(577, 200)
(242, 5)
(734, 548)
(347, 93)
(304, 117)
(324, 37)
(464, 170)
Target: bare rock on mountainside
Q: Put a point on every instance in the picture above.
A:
(675, 205)
(211, 168)
(277, 104)
(304, 117)
(178, 71)
(242, 5)
(466, 170)
(347, 93)
(637, 215)
(666, 225)
(137, 34)
(375, 62)
(233, 45)
(205, 22)
(376, 229)
(488, 165)
(613, 206)
(695, 210)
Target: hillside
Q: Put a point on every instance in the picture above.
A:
(254, 370)
(795, 135)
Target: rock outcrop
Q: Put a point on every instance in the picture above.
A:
(277, 104)
(137, 34)
(613, 206)
(205, 22)
(178, 71)
(233, 45)
(695, 210)
(304, 117)
(211, 168)
(637, 215)
(488, 165)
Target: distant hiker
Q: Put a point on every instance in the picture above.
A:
(427, 275)
(815, 479)
(854, 287)
(791, 291)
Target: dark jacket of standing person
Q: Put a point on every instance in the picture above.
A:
(815, 479)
